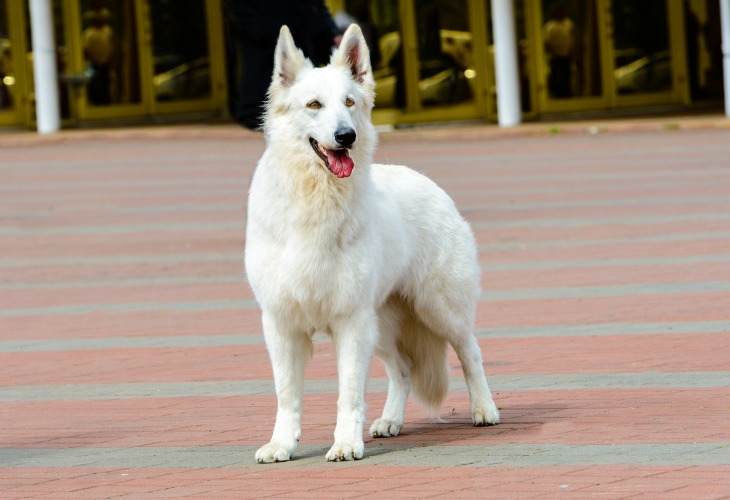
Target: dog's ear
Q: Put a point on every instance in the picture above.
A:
(288, 59)
(353, 54)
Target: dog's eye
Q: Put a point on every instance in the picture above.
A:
(349, 102)
(314, 104)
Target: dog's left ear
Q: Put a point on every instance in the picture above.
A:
(353, 54)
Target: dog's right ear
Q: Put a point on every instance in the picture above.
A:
(288, 59)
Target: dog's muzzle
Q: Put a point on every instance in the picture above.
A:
(338, 160)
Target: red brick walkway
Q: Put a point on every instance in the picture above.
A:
(132, 364)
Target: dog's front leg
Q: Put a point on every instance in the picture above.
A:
(289, 351)
(354, 339)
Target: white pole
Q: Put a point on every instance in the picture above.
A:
(725, 23)
(505, 63)
(48, 115)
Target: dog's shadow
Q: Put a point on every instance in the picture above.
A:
(452, 429)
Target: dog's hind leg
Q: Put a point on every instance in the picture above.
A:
(391, 422)
(397, 366)
(483, 409)
(289, 352)
(450, 315)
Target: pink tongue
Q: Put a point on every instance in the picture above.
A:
(340, 162)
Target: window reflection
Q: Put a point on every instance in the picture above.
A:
(445, 55)
(643, 60)
(110, 52)
(571, 45)
(180, 50)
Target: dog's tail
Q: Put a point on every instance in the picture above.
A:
(429, 370)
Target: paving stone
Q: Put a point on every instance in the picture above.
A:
(132, 362)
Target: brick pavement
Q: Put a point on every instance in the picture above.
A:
(132, 364)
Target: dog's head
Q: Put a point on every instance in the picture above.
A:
(325, 110)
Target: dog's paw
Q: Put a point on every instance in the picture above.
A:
(383, 428)
(273, 452)
(486, 415)
(345, 451)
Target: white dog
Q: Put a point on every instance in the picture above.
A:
(376, 256)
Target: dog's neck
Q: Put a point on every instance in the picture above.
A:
(315, 198)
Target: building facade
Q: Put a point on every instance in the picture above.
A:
(433, 59)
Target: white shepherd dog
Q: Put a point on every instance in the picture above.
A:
(376, 256)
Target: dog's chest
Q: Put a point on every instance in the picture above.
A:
(314, 279)
(308, 257)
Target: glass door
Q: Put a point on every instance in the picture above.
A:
(570, 55)
(107, 75)
(644, 56)
(602, 54)
(445, 59)
(135, 58)
(185, 56)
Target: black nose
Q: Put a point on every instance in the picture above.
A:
(345, 137)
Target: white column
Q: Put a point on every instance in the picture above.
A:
(48, 113)
(725, 23)
(505, 63)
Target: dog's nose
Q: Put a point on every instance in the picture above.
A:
(345, 137)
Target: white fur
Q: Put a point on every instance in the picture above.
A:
(380, 260)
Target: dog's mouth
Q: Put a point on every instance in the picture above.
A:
(338, 161)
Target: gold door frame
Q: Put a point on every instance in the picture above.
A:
(546, 104)
(216, 55)
(609, 98)
(148, 105)
(413, 111)
(81, 107)
(679, 93)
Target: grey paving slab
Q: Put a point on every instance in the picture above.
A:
(237, 207)
(606, 220)
(521, 294)
(608, 262)
(123, 259)
(134, 307)
(607, 291)
(510, 455)
(528, 382)
(122, 282)
(217, 226)
(130, 343)
(600, 330)
(121, 228)
(654, 238)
